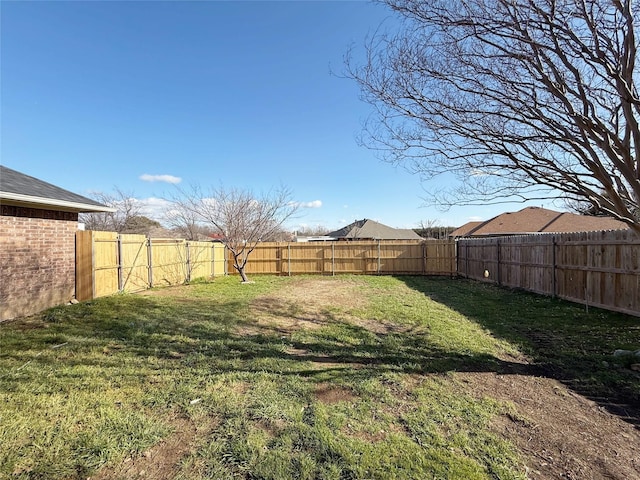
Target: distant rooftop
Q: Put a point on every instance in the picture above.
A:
(368, 229)
(465, 229)
(537, 220)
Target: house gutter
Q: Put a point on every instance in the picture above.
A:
(18, 199)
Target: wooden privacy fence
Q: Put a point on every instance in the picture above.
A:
(107, 262)
(601, 269)
(376, 257)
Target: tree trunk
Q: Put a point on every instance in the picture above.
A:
(239, 266)
(242, 274)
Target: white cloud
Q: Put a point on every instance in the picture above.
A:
(312, 204)
(474, 219)
(160, 178)
(153, 207)
(476, 172)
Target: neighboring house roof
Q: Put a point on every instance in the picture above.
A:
(537, 220)
(367, 229)
(25, 191)
(464, 230)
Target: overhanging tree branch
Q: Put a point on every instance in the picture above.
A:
(511, 96)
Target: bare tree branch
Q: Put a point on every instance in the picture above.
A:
(528, 98)
(181, 217)
(241, 218)
(127, 210)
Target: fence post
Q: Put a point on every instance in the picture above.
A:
(289, 258)
(424, 258)
(188, 255)
(93, 266)
(498, 258)
(466, 267)
(119, 259)
(587, 277)
(150, 262)
(279, 254)
(456, 258)
(554, 268)
(333, 259)
(379, 259)
(213, 259)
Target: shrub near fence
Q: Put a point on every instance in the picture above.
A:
(107, 262)
(601, 269)
(375, 257)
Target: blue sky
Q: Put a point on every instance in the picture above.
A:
(97, 95)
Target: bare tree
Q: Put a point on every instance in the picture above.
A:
(241, 218)
(312, 231)
(184, 219)
(141, 225)
(127, 210)
(524, 99)
(433, 229)
(279, 235)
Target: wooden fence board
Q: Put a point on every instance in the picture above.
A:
(134, 263)
(107, 262)
(84, 265)
(595, 268)
(169, 261)
(206, 259)
(358, 257)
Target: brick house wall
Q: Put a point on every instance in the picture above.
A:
(37, 259)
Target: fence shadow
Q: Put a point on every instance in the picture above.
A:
(222, 337)
(564, 341)
(561, 339)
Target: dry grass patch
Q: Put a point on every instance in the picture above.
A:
(329, 394)
(305, 304)
(159, 462)
(320, 292)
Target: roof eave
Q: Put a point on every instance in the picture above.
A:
(29, 201)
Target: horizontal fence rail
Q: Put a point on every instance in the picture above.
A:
(600, 269)
(377, 257)
(108, 262)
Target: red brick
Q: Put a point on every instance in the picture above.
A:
(37, 263)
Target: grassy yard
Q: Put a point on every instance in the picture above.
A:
(301, 378)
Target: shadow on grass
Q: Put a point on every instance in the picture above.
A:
(208, 335)
(564, 341)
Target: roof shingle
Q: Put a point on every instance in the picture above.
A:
(366, 229)
(537, 220)
(16, 187)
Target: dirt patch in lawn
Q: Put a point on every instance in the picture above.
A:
(305, 304)
(330, 394)
(162, 461)
(561, 434)
(321, 293)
